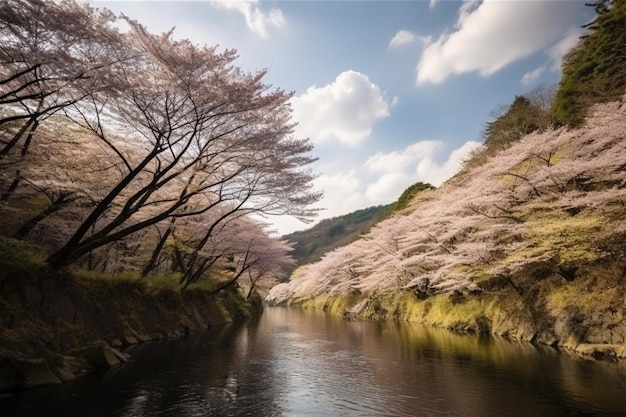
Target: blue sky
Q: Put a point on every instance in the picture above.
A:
(390, 92)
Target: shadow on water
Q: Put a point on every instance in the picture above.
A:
(298, 363)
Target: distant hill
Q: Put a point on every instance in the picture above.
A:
(311, 244)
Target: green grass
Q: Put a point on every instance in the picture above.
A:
(597, 288)
(18, 257)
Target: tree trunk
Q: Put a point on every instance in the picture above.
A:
(159, 247)
(30, 225)
(230, 282)
(7, 148)
(16, 181)
(70, 251)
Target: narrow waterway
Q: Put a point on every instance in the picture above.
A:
(300, 363)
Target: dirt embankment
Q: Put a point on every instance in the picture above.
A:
(54, 330)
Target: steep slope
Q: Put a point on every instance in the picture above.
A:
(530, 244)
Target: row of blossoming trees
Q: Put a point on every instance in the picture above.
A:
(121, 149)
(557, 197)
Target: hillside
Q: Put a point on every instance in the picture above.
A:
(529, 244)
(309, 245)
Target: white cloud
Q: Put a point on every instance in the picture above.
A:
(344, 110)
(432, 4)
(405, 37)
(388, 187)
(341, 192)
(400, 160)
(492, 34)
(532, 76)
(414, 163)
(466, 9)
(431, 172)
(256, 19)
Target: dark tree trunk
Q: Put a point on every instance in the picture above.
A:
(159, 247)
(16, 181)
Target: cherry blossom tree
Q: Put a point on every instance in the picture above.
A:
(554, 196)
(53, 55)
(207, 137)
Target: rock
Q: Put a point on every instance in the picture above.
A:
(101, 355)
(139, 336)
(600, 351)
(64, 309)
(73, 366)
(130, 340)
(25, 373)
(36, 373)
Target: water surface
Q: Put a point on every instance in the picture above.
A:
(300, 363)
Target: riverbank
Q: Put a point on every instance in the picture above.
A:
(527, 242)
(55, 327)
(584, 316)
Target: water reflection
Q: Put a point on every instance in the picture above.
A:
(297, 363)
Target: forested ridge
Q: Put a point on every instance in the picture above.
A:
(527, 241)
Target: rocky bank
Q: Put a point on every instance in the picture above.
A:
(54, 329)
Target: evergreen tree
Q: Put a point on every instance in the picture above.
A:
(595, 70)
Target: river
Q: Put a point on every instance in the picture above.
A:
(298, 363)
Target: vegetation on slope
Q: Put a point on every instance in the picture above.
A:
(528, 241)
(506, 247)
(595, 70)
(309, 245)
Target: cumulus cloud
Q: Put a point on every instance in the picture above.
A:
(490, 35)
(342, 193)
(403, 37)
(257, 20)
(388, 187)
(414, 163)
(400, 160)
(431, 172)
(344, 110)
(393, 172)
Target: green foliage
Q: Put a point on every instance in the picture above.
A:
(18, 257)
(311, 244)
(521, 118)
(595, 71)
(407, 196)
